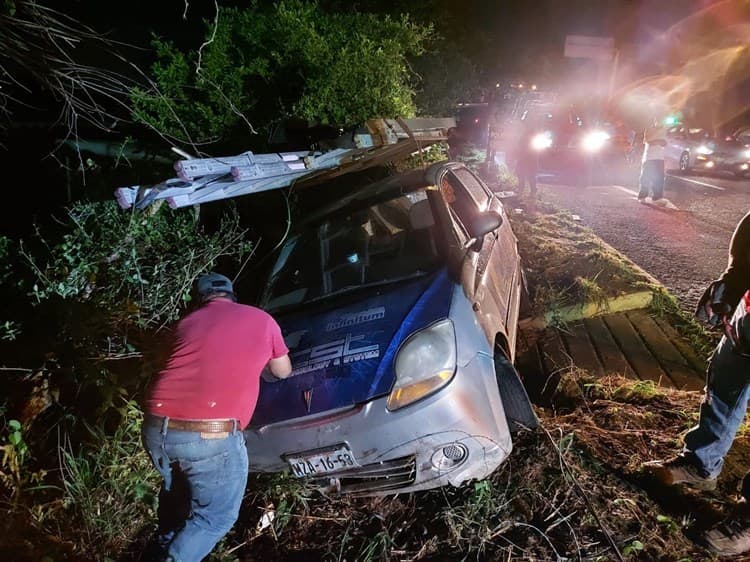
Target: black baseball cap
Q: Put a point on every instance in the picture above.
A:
(210, 283)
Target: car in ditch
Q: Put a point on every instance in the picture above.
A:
(400, 304)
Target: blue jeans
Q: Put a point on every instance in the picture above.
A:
(725, 403)
(204, 482)
(652, 179)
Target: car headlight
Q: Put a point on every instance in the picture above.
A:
(746, 154)
(594, 141)
(703, 149)
(425, 363)
(541, 141)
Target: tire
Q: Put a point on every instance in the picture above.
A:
(685, 162)
(518, 410)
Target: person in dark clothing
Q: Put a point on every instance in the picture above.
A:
(725, 304)
(527, 160)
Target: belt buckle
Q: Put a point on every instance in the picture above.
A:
(214, 435)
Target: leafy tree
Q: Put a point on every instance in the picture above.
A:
(289, 59)
(447, 77)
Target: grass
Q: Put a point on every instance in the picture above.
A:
(567, 265)
(108, 490)
(664, 305)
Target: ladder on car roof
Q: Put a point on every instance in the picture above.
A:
(201, 180)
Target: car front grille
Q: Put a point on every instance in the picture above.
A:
(376, 477)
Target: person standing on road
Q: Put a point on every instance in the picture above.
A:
(727, 392)
(196, 409)
(527, 159)
(652, 164)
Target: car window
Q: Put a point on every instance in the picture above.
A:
(461, 204)
(476, 191)
(382, 242)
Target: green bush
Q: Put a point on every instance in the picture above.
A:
(137, 267)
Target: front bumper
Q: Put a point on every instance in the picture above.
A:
(713, 163)
(457, 434)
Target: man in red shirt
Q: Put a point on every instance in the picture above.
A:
(196, 409)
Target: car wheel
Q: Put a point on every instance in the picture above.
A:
(518, 410)
(684, 162)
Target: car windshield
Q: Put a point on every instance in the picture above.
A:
(559, 119)
(355, 248)
(698, 134)
(471, 114)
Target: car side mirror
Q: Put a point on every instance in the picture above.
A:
(482, 224)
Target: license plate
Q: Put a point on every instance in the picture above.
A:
(322, 462)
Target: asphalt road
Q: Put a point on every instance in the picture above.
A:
(683, 245)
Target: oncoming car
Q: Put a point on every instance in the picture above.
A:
(567, 144)
(399, 304)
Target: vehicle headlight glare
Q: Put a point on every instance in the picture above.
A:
(541, 141)
(703, 149)
(746, 154)
(594, 141)
(425, 363)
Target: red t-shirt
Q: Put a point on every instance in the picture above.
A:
(214, 368)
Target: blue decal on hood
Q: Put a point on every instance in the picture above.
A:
(345, 355)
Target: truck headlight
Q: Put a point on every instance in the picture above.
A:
(541, 141)
(703, 149)
(425, 363)
(594, 141)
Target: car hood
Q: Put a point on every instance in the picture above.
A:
(343, 355)
(729, 148)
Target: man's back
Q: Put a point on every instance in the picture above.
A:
(214, 368)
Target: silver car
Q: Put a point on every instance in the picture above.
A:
(684, 147)
(399, 304)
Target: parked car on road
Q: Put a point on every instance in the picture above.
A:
(728, 154)
(684, 145)
(743, 135)
(695, 149)
(399, 304)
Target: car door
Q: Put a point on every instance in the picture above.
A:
(498, 275)
(489, 279)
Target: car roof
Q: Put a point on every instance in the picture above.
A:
(405, 182)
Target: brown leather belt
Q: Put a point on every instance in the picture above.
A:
(201, 426)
